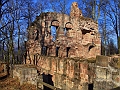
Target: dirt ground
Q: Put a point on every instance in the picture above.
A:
(9, 83)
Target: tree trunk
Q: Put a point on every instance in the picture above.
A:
(119, 45)
(0, 9)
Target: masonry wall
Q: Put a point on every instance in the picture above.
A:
(76, 35)
(107, 72)
(67, 73)
(78, 74)
(26, 74)
(65, 55)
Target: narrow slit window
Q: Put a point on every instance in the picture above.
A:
(57, 51)
(36, 34)
(68, 49)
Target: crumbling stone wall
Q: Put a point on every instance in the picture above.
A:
(74, 35)
(26, 74)
(67, 73)
(107, 72)
(102, 73)
(64, 46)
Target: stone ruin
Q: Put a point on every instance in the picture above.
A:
(61, 35)
(65, 48)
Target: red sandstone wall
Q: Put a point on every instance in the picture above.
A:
(81, 35)
(70, 72)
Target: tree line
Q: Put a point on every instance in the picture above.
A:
(17, 15)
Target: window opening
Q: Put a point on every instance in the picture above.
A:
(36, 34)
(66, 30)
(68, 26)
(57, 51)
(90, 86)
(53, 32)
(47, 79)
(91, 47)
(84, 31)
(68, 48)
(44, 50)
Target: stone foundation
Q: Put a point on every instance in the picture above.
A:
(107, 72)
(26, 74)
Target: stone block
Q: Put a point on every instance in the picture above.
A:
(26, 74)
(103, 85)
(116, 77)
(115, 62)
(101, 73)
(102, 61)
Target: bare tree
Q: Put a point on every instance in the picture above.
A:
(2, 3)
(91, 8)
(113, 14)
(60, 6)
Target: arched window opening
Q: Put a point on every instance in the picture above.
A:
(54, 27)
(90, 47)
(53, 32)
(66, 30)
(68, 26)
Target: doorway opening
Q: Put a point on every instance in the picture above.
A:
(90, 86)
(47, 79)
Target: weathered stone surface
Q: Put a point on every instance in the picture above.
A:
(74, 35)
(67, 73)
(25, 74)
(107, 73)
(66, 53)
(102, 61)
(115, 62)
(91, 72)
(103, 85)
(75, 11)
(77, 73)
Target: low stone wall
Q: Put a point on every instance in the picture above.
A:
(107, 72)
(25, 74)
(102, 73)
(78, 74)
